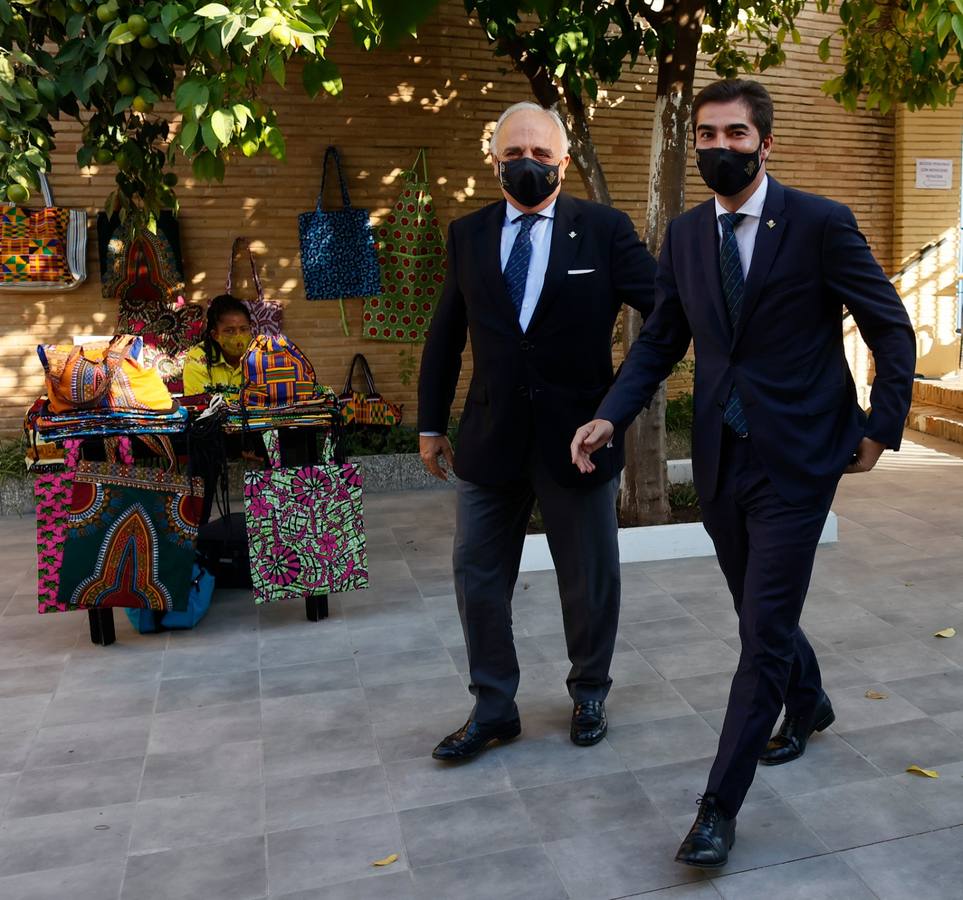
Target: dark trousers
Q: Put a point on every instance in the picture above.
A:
(582, 535)
(766, 550)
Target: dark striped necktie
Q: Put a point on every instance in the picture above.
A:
(516, 270)
(733, 289)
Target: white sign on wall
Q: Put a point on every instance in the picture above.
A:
(934, 174)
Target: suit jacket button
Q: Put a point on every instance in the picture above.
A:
(721, 405)
(525, 345)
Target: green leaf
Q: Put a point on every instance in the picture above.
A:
(824, 49)
(222, 123)
(213, 11)
(276, 66)
(229, 30)
(958, 27)
(249, 146)
(241, 114)
(210, 139)
(122, 104)
(170, 14)
(274, 141)
(321, 73)
(265, 24)
(94, 75)
(944, 26)
(121, 34)
(188, 135)
(186, 31)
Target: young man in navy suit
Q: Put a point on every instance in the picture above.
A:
(758, 278)
(536, 280)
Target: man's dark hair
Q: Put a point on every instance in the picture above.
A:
(752, 93)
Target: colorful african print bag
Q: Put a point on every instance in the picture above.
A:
(305, 530)
(52, 492)
(266, 315)
(338, 257)
(366, 407)
(276, 373)
(412, 257)
(43, 249)
(130, 537)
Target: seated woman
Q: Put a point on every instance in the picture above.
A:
(214, 365)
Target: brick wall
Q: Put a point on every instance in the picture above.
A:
(442, 92)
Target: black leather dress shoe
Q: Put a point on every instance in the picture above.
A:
(789, 742)
(710, 838)
(589, 723)
(473, 737)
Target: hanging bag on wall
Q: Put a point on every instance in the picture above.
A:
(338, 256)
(266, 315)
(366, 407)
(42, 250)
(412, 257)
(305, 530)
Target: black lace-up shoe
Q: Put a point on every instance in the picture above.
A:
(789, 742)
(710, 839)
(473, 737)
(589, 723)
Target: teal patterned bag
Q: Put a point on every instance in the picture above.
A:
(305, 531)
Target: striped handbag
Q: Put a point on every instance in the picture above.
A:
(276, 373)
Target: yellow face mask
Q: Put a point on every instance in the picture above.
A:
(234, 345)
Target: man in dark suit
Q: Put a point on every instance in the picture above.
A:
(537, 281)
(758, 278)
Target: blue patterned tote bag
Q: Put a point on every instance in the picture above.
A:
(338, 255)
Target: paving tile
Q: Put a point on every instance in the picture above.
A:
(586, 805)
(828, 761)
(422, 782)
(933, 694)
(904, 660)
(121, 665)
(62, 788)
(191, 820)
(233, 870)
(305, 858)
(702, 693)
(676, 787)
(409, 700)
(665, 632)
(694, 658)
(819, 878)
(14, 749)
(865, 812)
(310, 713)
(524, 872)
(390, 886)
(309, 678)
(854, 710)
(619, 863)
(211, 659)
(286, 649)
(839, 672)
(941, 797)
(647, 607)
(211, 769)
(699, 890)
(101, 704)
(196, 729)
(90, 881)
(289, 755)
(636, 703)
(924, 867)
(29, 680)
(79, 836)
(207, 690)
(395, 668)
(447, 831)
(533, 762)
(89, 742)
(630, 667)
(660, 743)
(321, 799)
(844, 634)
(892, 748)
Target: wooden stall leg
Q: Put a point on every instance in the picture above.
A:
(101, 626)
(316, 607)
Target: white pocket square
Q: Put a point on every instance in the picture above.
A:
(580, 271)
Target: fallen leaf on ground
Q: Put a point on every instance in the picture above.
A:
(387, 861)
(929, 773)
(946, 632)
(876, 695)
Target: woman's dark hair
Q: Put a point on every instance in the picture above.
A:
(222, 305)
(752, 93)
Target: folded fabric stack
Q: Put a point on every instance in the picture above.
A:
(103, 422)
(322, 412)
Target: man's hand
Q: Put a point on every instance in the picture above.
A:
(866, 456)
(587, 440)
(430, 448)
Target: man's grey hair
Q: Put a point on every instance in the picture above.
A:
(518, 107)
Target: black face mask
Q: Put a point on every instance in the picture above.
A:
(527, 180)
(727, 172)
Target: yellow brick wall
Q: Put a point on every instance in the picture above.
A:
(443, 92)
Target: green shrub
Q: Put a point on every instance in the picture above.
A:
(678, 413)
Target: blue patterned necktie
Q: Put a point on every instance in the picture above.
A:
(516, 270)
(733, 289)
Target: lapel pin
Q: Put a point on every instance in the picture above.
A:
(771, 223)
(571, 234)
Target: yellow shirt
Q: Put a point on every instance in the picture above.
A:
(218, 378)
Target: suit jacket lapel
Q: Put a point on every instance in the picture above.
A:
(772, 225)
(708, 254)
(563, 250)
(490, 262)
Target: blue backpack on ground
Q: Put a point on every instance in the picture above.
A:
(147, 621)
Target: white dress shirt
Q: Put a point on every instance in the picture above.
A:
(746, 230)
(541, 235)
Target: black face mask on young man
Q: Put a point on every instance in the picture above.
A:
(527, 180)
(727, 172)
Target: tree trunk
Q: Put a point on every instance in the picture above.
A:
(644, 499)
